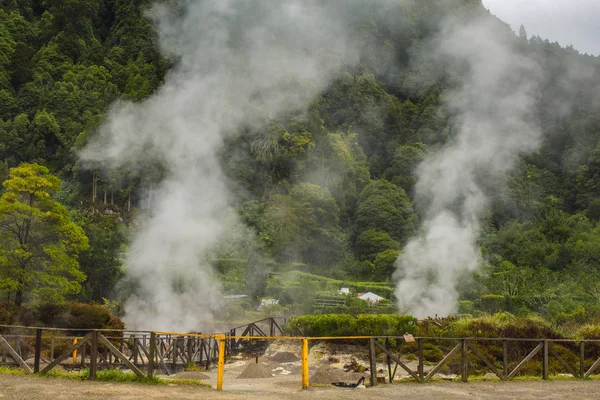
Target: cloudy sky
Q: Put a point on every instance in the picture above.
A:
(575, 22)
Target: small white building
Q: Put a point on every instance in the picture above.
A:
(370, 297)
(267, 302)
(344, 290)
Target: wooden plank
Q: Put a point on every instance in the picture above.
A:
(464, 361)
(82, 351)
(135, 350)
(529, 357)
(421, 363)
(120, 355)
(592, 369)
(140, 347)
(94, 355)
(394, 358)
(545, 360)
(582, 359)
(278, 327)
(486, 361)
(67, 353)
(441, 364)
(505, 358)
(38, 351)
(563, 363)
(389, 360)
(145, 353)
(175, 352)
(190, 350)
(12, 352)
(151, 355)
(373, 364)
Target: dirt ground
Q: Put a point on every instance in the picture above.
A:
(39, 388)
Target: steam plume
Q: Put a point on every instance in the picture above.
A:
(237, 63)
(494, 126)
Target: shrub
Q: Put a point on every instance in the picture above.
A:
(591, 332)
(9, 314)
(80, 317)
(51, 314)
(347, 325)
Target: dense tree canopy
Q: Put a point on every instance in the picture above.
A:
(39, 243)
(327, 189)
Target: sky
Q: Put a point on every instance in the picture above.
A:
(575, 22)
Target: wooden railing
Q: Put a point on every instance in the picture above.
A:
(145, 352)
(466, 350)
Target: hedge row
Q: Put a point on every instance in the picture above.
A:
(347, 325)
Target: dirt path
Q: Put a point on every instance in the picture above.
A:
(39, 388)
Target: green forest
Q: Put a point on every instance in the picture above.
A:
(328, 192)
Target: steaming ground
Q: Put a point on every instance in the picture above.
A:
(237, 64)
(493, 109)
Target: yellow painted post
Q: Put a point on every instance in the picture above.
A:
(74, 351)
(304, 363)
(221, 339)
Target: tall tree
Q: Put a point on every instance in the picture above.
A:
(39, 243)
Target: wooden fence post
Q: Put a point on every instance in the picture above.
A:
(582, 359)
(373, 365)
(421, 368)
(93, 355)
(389, 361)
(38, 350)
(82, 350)
(464, 358)
(505, 358)
(190, 352)
(545, 361)
(135, 350)
(151, 354)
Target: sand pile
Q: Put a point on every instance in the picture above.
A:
(325, 375)
(285, 357)
(255, 370)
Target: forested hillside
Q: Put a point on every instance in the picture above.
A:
(328, 190)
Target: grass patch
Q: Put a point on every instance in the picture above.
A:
(184, 382)
(12, 370)
(107, 375)
(192, 367)
(115, 375)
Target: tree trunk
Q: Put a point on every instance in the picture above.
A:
(19, 298)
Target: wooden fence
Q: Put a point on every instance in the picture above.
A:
(468, 351)
(139, 351)
(146, 353)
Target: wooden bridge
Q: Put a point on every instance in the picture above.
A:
(136, 350)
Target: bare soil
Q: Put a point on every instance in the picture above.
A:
(39, 388)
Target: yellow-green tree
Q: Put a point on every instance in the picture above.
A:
(39, 243)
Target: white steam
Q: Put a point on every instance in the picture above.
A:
(236, 63)
(493, 111)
